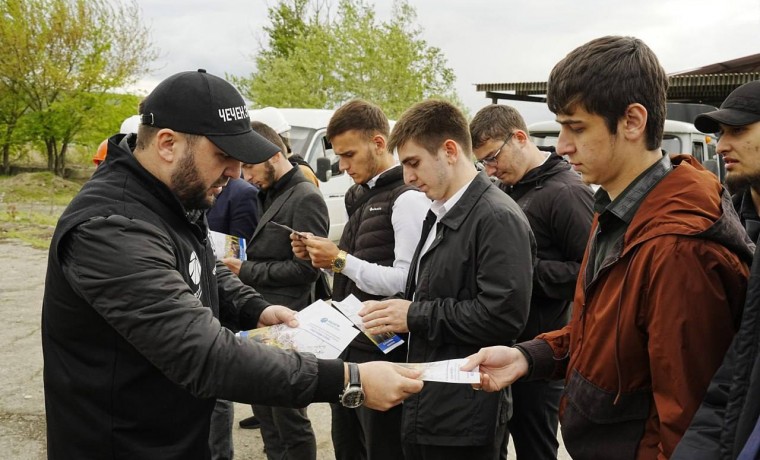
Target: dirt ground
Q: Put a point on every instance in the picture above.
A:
(22, 406)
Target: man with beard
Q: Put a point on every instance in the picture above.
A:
(133, 348)
(726, 426)
(558, 206)
(287, 197)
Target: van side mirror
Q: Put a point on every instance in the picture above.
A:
(324, 169)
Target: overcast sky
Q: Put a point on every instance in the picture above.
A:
(484, 41)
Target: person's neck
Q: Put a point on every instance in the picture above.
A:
(633, 167)
(384, 163)
(283, 168)
(465, 172)
(535, 158)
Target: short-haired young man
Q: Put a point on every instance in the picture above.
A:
(662, 283)
(469, 285)
(558, 206)
(726, 424)
(371, 261)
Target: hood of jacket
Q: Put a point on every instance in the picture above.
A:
(694, 205)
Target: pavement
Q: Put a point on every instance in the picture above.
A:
(22, 404)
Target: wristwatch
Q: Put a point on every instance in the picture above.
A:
(353, 396)
(339, 262)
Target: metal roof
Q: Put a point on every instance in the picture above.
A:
(706, 85)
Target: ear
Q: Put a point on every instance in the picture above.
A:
(521, 136)
(380, 142)
(166, 142)
(452, 150)
(634, 122)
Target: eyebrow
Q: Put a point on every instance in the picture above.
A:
(343, 153)
(408, 159)
(568, 122)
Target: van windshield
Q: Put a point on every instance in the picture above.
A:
(299, 139)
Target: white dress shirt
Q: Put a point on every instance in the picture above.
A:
(409, 211)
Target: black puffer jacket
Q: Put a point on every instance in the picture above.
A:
(559, 207)
(134, 353)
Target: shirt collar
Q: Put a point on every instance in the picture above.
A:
(371, 183)
(625, 205)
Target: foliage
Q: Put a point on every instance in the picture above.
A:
(317, 60)
(58, 58)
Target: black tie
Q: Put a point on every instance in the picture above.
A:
(411, 279)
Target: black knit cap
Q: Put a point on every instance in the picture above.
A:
(741, 107)
(203, 104)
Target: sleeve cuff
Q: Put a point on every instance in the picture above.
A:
(540, 358)
(250, 313)
(330, 380)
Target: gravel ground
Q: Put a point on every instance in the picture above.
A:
(22, 408)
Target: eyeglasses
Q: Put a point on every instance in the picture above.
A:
(491, 159)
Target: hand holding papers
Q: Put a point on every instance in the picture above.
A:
(350, 307)
(321, 330)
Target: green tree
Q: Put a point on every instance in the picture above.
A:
(64, 55)
(317, 60)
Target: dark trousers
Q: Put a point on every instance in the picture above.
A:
(366, 434)
(287, 433)
(488, 452)
(533, 425)
(220, 430)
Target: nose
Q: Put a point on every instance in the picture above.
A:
(491, 170)
(723, 145)
(342, 163)
(565, 145)
(409, 176)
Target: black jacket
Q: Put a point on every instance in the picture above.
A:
(133, 351)
(272, 268)
(559, 208)
(473, 291)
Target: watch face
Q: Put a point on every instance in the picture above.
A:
(352, 397)
(340, 263)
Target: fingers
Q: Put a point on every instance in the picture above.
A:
(473, 361)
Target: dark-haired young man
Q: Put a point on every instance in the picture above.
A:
(662, 283)
(371, 261)
(469, 285)
(558, 206)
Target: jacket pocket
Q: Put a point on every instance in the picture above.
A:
(595, 427)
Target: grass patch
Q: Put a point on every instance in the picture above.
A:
(30, 205)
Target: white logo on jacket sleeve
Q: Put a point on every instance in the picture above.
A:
(194, 268)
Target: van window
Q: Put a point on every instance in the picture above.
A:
(671, 144)
(299, 138)
(698, 151)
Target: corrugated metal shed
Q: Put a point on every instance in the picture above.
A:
(706, 85)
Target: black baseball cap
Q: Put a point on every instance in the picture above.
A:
(741, 107)
(203, 104)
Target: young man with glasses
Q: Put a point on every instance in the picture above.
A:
(558, 206)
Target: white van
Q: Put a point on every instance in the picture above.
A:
(307, 138)
(679, 137)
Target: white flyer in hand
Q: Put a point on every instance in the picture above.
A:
(321, 330)
(445, 371)
(350, 307)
